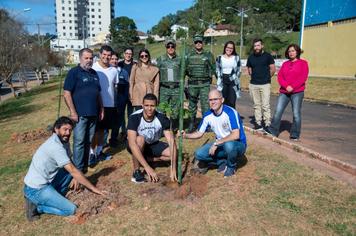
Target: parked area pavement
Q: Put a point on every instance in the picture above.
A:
(327, 129)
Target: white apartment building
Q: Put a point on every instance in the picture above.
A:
(80, 22)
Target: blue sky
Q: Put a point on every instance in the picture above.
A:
(145, 13)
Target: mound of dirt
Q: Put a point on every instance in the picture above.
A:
(30, 136)
(193, 187)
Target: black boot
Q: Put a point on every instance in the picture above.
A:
(31, 210)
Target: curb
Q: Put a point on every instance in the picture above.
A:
(349, 168)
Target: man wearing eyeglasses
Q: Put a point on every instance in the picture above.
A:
(169, 68)
(230, 143)
(200, 67)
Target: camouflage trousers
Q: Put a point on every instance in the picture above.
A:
(197, 92)
(171, 97)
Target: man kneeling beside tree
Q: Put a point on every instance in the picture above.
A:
(50, 173)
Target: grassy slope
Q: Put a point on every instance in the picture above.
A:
(270, 195)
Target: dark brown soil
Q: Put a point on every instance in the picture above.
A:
(30, 136)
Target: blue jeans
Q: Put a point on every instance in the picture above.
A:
(227, 152)
(83, 134)
(50, 199)
(122, 101)
(283, 100)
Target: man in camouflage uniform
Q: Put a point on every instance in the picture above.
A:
(169, 68)
(200, 66)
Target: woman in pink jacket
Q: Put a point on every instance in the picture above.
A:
(292, 78)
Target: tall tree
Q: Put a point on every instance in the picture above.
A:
(13, 47)
(123, 33)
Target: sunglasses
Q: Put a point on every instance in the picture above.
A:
(144, 56)
(170, 46)
(198, 42)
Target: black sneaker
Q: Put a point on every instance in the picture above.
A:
(138, 177)
(294, 139)
(104, 156)
(258, 127)
(267, 130)
(31, 210)
(200, 168)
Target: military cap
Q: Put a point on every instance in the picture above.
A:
(197, 37)
(170, 41)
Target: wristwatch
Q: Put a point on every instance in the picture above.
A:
(215, 143)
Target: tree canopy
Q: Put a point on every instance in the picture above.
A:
(271, 16)
(123, 33)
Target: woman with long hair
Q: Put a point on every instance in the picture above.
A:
(292, 78)
(228, 73)
(144, 79)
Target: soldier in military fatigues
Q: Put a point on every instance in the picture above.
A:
(169, 68)
(200, 66)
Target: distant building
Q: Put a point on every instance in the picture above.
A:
(142, 35)
(175, 28)
(329, 38)
(82, 23)
(157, 38)
(220, 30)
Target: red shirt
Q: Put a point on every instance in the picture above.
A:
(293, 74)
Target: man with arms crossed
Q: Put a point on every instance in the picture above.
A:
(144, 129)
(230, 142)
(50, 173)
(261, 68)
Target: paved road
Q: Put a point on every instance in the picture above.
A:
(327, 129)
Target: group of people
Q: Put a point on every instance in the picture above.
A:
(97, 95)
(292, 77)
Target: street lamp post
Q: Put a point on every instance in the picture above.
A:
(242, 14)
(211, 26)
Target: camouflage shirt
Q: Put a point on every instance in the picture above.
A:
(169, 68)
(200, 65)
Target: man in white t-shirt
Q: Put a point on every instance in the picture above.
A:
(108, 78)
(230, 143)
(144, 129)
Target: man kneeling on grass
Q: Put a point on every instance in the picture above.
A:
(144, 129)
(230, 142)
(50, 174)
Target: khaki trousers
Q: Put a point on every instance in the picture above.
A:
(260, 95)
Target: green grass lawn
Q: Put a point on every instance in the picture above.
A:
(269, 195)
(322, 89)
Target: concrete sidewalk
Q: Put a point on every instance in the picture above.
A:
(327, 129)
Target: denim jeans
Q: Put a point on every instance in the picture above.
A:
(83, 134)
(283, 100)
(50, 199)
(227, 152)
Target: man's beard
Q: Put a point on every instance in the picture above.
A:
(62, 140)
(257, 53)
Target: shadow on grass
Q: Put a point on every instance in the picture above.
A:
(103, 172)
(22, 105)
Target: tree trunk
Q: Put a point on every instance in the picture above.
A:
(38, 77)
(12, 89)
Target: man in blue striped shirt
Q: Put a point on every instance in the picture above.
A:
(230, 143)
